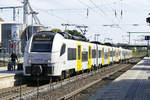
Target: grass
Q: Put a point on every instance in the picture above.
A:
(3, 64)
(135, 54)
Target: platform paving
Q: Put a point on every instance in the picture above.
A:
(8, 78)
(132, 85)
(4, 71)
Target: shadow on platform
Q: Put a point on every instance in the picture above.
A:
(136, 89)
(142, 69)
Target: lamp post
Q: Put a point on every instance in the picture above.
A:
(96, 36)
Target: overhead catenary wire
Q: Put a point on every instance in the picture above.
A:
(80, 11)
(36, 19)
(58, 17)
(97, 7)
(114, 11)
(104, 15)
(120, 27)
(88, 6)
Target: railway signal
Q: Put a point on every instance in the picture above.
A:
(147, 38)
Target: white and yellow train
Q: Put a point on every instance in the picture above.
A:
(50, 54)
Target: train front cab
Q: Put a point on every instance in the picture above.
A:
(37, 57)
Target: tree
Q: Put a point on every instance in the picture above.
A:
(56, 30)
(73, 32)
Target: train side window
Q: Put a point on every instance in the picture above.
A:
(106, 55)
(89, 52)
(94, 53)
(63, 49)
(114, 53)
(102, 52)
(99, 53)
(84, 56)
(71, 54)
(110, 53)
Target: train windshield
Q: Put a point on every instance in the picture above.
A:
(42, 42)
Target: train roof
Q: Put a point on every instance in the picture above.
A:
(96, 42)
(81, 37)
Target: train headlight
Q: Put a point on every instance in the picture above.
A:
(49, 61)
(29, 61)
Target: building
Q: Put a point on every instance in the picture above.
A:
(10, 35)
(1, 20)
(14, 36)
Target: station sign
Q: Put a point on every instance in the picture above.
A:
(147, 37)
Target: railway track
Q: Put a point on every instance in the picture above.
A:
(70, 86)
(4, 92)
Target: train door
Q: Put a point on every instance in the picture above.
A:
(112, 54)
(79, 57)
(89, 56)
(96, 55)
(118, 54)
(103, 54)
(115, 55)
(108, 55)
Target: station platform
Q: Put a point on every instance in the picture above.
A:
(132, 85)
(8, 78)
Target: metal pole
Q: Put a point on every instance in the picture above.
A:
(37, 87)
(32, 22)
(65, 27)
(50, 85)
(25, 12)
(129, 38)
(14, 14)
(95, 37)
(4, 57)
(147, 47)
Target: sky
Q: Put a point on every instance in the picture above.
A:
(102, 14)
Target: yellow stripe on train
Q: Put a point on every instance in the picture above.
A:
(89, 56)
(79, 56)
(103, 56)
(108, 55)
